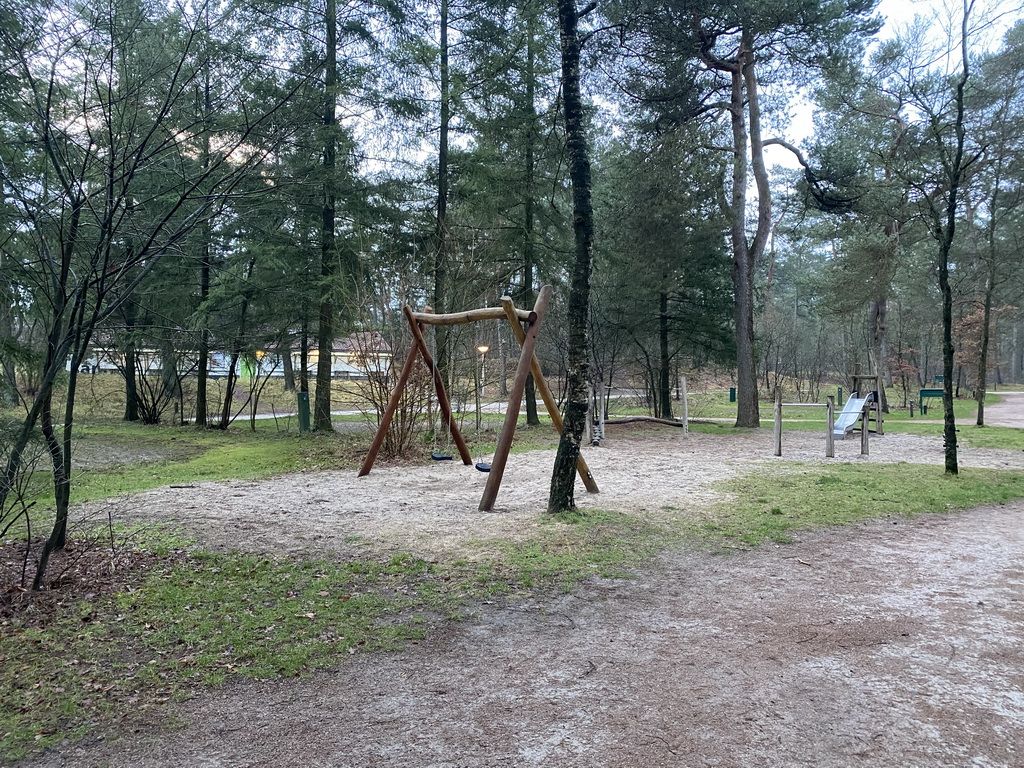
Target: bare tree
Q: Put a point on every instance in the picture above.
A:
(108, 184)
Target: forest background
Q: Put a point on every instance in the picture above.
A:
(260, 180)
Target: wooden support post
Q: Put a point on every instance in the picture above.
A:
(864, 431)
(830, 425)
(545, 393)
(389, 412)
(778, 423)
(442, 395)
(515, 399)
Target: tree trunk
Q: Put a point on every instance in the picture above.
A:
(203, 369)
(287, 368)
(664, 399)
(1018, 352)
(986, 325)
(561, 497)
(743, 101)
(328, 246)
(8, 380)
(945, 232)
(439, 299)
(131, 388)
(304, 350)
(206, 233)
(879, 353)
(529, 186)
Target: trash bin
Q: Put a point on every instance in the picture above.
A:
(303, 400)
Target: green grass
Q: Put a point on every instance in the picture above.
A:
(194, 621)
(716, 405)
(580, 545)
(191, 620)
(770, 506)
(191, 455)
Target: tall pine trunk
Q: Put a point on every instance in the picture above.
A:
(561, 497)
(945, 233)
(328, 246)
(664, 391)
(528, 296)
(439, 298)
(206, 233)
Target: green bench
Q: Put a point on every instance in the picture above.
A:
(927, 394)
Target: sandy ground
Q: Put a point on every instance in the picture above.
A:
(431, 510)
(891, 643)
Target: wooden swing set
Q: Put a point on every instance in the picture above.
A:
(528, 363)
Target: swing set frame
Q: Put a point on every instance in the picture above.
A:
(528, 363)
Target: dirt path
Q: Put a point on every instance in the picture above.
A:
(1008, 412)
(882, 644)
(875, 645)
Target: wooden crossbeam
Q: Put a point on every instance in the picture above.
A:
(472, 316)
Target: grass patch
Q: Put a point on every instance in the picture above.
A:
(576, 546)
(771, 506)
(716, 405)
(194, 620)
(179, 621)
(118, 458)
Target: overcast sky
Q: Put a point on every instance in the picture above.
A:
(997, 16)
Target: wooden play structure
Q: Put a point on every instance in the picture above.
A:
(528, 363)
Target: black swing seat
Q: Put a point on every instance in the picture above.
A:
(440, 457)
(483, 467)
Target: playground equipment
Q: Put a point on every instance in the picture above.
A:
(528, 363)
(836, 425)
(855, 410)
(870, 384)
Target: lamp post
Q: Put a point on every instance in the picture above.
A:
(482, 349)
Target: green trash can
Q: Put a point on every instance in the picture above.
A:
(303, 400)
(732, 394)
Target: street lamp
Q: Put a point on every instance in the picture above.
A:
(482, 349)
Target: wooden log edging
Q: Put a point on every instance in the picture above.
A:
(666, 422)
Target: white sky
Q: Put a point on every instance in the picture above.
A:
(998, 16)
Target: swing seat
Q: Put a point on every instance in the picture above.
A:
(440, 457)
(483, 467)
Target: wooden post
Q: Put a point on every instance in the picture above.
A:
(864, 431)
(545, 393)
(830, 425)
(442, 395)
(515, 400)
(686, 406)
(778, 423)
